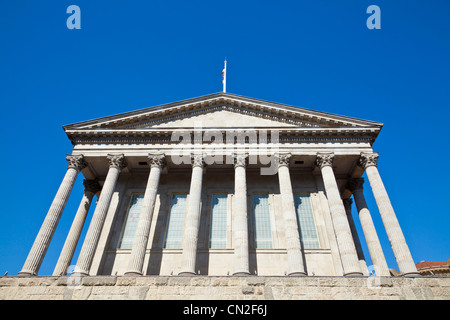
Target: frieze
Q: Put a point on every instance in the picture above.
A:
(80, 139)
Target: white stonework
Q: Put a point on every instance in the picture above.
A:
(224, 288)
(315, 156)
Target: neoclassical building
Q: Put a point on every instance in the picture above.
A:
(223, 185)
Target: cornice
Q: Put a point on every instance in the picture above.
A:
(257, 107)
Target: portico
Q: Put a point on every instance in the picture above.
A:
(269, 203)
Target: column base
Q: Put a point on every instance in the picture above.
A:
(187, 274)
(27, 274)
(79, 274)
(297, 274)
(354, 274)
(133, 274)
(411, 275)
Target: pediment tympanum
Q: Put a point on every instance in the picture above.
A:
(222, 111)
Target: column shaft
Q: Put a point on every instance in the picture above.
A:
(344, 237)
(401, 251)
(370, 234)
(145, 218)
(73, 236)
(192, 222)
(240, 222)
(358, 247)
(45, 235)
(87, 252)
(293, 243)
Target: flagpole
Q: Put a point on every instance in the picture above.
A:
(224, 73)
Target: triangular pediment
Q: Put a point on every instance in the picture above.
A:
(221, 110)
(221, 117)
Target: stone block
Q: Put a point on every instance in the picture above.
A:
(126, 281)
(161, 281)
(200, 281)
(248, 290)
(99, 281)
(145, 280)
(180, 281)
(8, 282)
(256, 281)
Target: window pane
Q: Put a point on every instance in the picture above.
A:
(218, 231)
(307, 225)
(261, 221)
(131, 221)
(174, 233)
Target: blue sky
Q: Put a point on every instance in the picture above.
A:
(312, 54)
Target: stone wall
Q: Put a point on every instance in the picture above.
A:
(222, 288)
(111, 260)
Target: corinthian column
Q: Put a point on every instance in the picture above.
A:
(140, 242)
(45, 235)
(293, 243)
(362, 261)
(91, 187)
(240, 224)
(116, 164)
(368, 227)
(401, 251)
(192, 222)
(344, 238)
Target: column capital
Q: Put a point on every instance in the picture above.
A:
(240, 160)
(355, 184)
(198, 160)
(283, 159)
(116, 161)
(157, 160)
(324, 159)
(76, 162)
(368, 159)
(91, 186)
(347, 204)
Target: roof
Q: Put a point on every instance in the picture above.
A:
(430, 264)
(222, 97)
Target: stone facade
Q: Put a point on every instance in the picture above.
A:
(224, 288)
(264, 156)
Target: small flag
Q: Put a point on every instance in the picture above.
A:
(224, 76)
